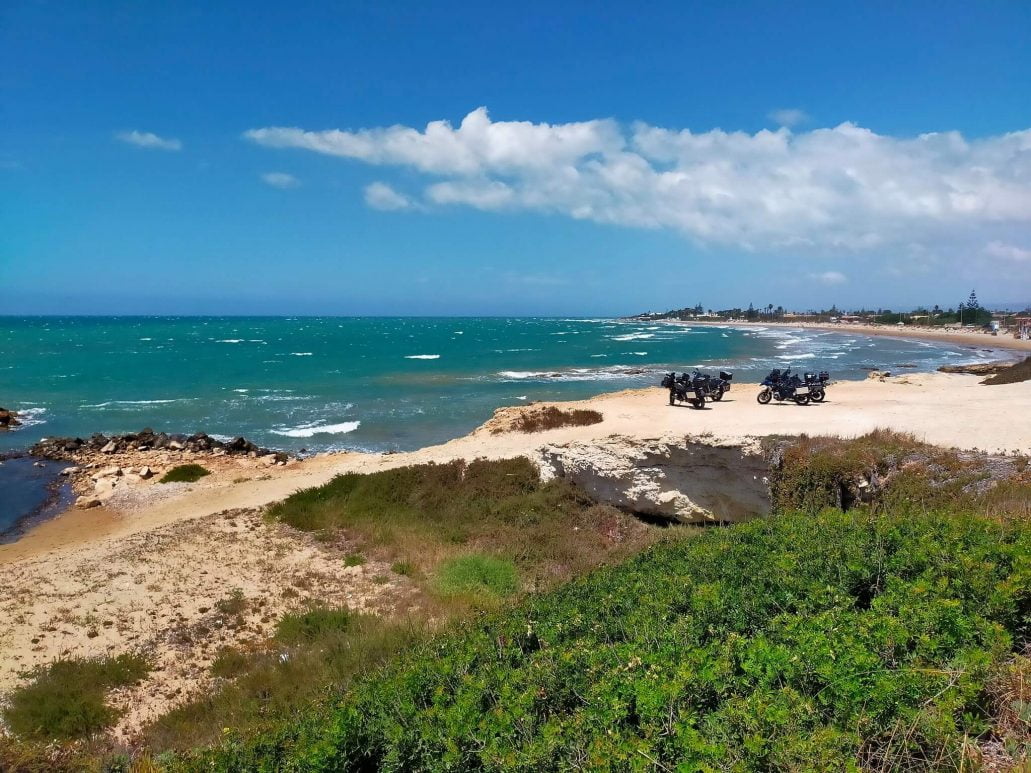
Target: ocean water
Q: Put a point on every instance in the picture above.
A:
(320, 383)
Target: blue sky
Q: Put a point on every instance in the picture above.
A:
(204, 157)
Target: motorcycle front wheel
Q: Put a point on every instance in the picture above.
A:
(698, 402)
(717, 395)
(672, 397)
(802, 399)
(764, 397)
(818, 396)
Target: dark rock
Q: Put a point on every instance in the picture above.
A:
(8, 419)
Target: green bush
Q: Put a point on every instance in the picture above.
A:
(804, 642)
(354, 559)
(66, 699)
(185, 473)
(313, 624)
(229, 663)
(477, 575)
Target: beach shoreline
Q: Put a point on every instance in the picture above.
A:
(969, 337)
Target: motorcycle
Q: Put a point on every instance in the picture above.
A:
(712, 388)
(678, 390)
(817, 384)
(782, 386)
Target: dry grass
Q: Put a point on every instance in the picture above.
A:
(541, 419)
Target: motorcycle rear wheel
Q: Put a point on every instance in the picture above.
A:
(802, 399)
(763, 397)
(717, 395)
(818, 396)
(672, 397)
(698, 402)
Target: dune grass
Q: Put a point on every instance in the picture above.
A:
(540, 419)
(419, 517)
(185, 473)
(477, 575)
(67, 699)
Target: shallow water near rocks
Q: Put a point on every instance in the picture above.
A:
(29, 494)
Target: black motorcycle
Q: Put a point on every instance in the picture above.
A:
(707, 386)
(783, 385)
(724, 380)
(817, 385)
(681, 391)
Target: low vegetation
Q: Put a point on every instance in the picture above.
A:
(827, 642)
(1014, 374)
(67, 699)
(185, 473)
(430, 521)
(540, 419)
(880, 620)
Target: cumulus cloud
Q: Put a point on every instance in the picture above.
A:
(149, 140)
(788, 116)
(280, 180)
(827, 190)
(830, 278)
(997, 249)
(381, 196)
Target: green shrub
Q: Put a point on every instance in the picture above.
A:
(312, 624)
(317, 655)
(803, 642)
(185, 473)
(476, 575)
(66, 699)
(354, 559)
(232, 605)
(229, 663)
(404, 568)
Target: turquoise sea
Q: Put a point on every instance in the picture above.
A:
(320, 383)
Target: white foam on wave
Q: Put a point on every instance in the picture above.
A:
(422, 356)
(229, 341)
(135, 402)
(807, 356)
(599, 355)
(572, 374)
(633, 337)
(146, 339)
(325, 429)
(31, 417)
(301, 354)
(639, 354)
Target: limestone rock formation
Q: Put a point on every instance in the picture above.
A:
(676, 479)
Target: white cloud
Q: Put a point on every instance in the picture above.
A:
(822, 191)
(788, 116)
(997, 249)
(381, 196)
(830, 278)
(280, 180)
(149, 140)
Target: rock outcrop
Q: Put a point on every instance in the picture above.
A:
(686, 481)
(977, 368)
(8, 419)
(71, 449)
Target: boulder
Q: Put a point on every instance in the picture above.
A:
(145, 473)
(87, 501)
(107, 472)
(8, 419)
(676, 480)
(109, 448)
(70, 471)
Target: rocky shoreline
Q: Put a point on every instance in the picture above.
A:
(8, 419)
(102, 466)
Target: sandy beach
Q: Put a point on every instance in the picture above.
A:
(969, 337)
(150, 568)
